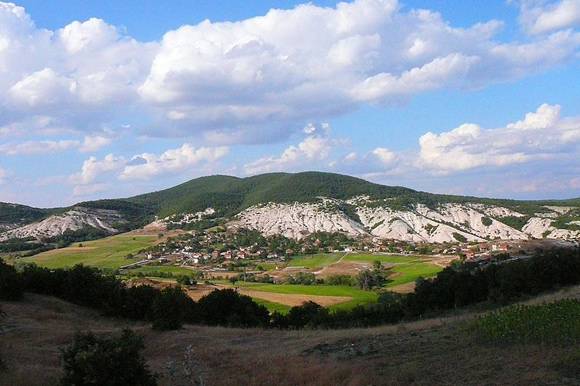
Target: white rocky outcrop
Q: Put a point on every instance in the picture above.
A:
(539, 227)
(73, 220)
(444, 223)
(296, 220)
(188, 218)
(408, 226)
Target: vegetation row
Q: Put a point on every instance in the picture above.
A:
(456, 286)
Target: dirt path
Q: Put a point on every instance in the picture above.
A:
(321, 270)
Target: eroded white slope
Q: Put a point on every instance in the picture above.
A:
(465, 217)
(296, 220)
(72, 220)
(539, 227)
(444, 223)
(408, 226)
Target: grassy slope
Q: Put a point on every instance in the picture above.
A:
(428, 352)
(109, 252)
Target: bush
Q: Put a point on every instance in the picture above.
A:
(228, 308)
(11, 284)
(2, 364)
(308, 314)
(115, 361)
(186, 280)
(171, 309)
(340, 280)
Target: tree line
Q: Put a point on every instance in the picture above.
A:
(456, 286)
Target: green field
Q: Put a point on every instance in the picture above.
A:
(273, 307)
(316, 261)
(109, 252)
(407, 269)
(155, 270)
(359, 297)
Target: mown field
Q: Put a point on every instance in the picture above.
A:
(316, 261)
(405, 269)
(358, 296)
(109, 252)
(158, 270)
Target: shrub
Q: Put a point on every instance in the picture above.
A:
(186, 280)
(171, 309)
(340, 280)
(2, 365)
(228, 308)
(115, 361)
(486, 221)
(308, 314)
(11, 284)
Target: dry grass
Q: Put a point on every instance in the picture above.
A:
(428, 352)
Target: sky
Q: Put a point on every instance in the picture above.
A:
(106, 99)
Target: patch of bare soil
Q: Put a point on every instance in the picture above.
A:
(404, 288)
(428, 352)
(343, 268)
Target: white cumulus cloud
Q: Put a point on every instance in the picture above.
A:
(316, 147)
(147, 165)
(539, 17)
(541, 135)
(258, 79)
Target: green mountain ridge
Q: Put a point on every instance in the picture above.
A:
(229, 195)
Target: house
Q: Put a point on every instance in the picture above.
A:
(502, 247)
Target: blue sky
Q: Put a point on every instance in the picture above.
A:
(110, 99)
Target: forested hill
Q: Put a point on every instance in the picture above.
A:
(231, 194)
(228, 196)
(19, 214)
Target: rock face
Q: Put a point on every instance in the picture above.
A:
(297, 220)
(541, 227)
(73, 220)
(443, 223)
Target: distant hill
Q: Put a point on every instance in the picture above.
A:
(299, 203)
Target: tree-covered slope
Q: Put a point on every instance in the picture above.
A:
(11, 214)
(230, 194)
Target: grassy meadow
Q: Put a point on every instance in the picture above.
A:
(358, 296)
(109, 252)
(316, 261)
(405, 269)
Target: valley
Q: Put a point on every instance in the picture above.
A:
(284, 238)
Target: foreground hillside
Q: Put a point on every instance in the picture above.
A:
(434, 351)
(295, 205)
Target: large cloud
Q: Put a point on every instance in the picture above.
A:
(88, 144)
(96, 172)
(77, 76)
(541, 135)
(541, 17)
(255, 80)
(310, 153)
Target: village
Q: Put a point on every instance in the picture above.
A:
(217, 250)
